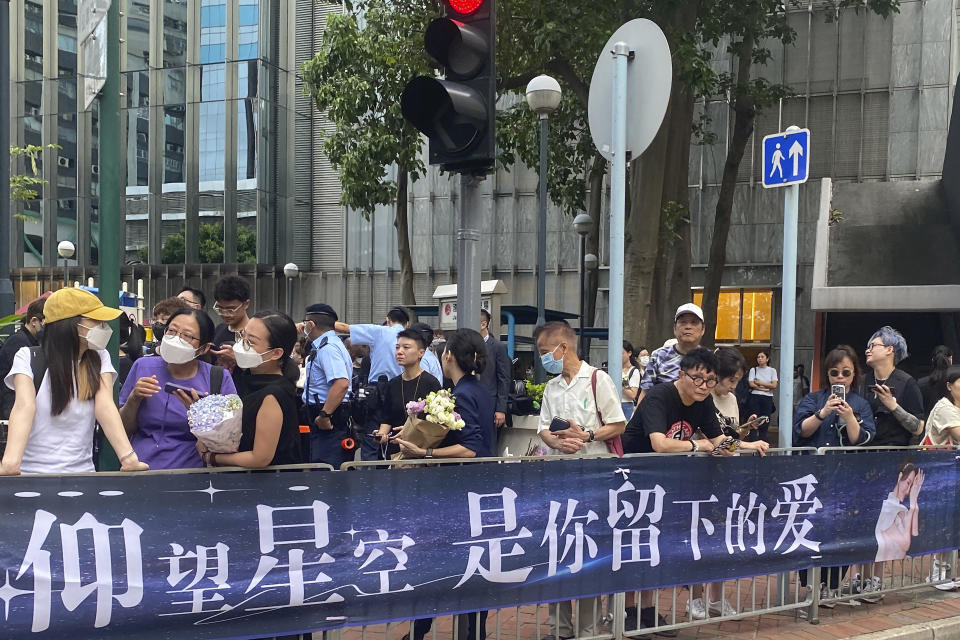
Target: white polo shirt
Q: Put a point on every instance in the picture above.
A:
(574, 401)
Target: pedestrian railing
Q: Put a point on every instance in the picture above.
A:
(666, 611)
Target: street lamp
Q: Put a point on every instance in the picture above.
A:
(543, 97)
(291, 271)
(581, 225)
(66, 249)
(590, 263)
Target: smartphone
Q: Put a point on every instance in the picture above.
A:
(839, 390)
(173, 387)
(559, 424)
(757, 422)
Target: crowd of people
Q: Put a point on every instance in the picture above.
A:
(319, 390)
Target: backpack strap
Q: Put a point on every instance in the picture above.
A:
(596, 406)
(216, 379)
(38, 365)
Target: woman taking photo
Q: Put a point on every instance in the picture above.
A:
(826, 418)
(157, 419)
(271, 434)
(51, 424)
(762, 381)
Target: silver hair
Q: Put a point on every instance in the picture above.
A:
(892, 338)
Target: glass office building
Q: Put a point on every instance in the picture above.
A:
(206, 131)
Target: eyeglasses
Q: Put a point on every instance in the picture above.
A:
(227, 310)
(875, 344)
(838, 373)
(700, 381)
(189, 337)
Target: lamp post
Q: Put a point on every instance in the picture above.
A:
(543, 97)
(291, 271)
(66, 250)
(590, 263)
(581, 225)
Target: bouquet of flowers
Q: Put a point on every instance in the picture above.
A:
(429, 419)
(216, 421)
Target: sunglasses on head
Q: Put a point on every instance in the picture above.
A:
(840, 373)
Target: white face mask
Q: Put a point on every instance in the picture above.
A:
(246, 357)
(644, 360)
(98, 337)
(176, 350)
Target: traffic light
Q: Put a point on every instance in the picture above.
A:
(457, 112)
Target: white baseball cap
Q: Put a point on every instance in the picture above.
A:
(688, 308)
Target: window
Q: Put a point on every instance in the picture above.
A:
(744, 316)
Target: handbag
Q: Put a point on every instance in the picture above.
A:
(614, 444)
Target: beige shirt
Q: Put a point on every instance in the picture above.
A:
(727, 405)
(944, 415)
(574, 401)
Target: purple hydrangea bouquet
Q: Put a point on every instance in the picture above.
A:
(216, 421)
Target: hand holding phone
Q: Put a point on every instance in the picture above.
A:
(173, 387)
(839, 390)
(559, 424)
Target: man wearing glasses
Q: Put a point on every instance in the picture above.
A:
(231, 297)
(670, 414)
(894, 396)
(193, 298)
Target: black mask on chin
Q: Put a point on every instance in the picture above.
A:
(159, 329)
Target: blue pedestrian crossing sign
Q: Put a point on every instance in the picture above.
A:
(786, 158)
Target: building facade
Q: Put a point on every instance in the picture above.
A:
(221, 144)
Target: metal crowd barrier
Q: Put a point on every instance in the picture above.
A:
(605, 618)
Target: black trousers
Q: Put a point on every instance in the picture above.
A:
(326, 447)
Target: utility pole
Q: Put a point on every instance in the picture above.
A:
(6, 287)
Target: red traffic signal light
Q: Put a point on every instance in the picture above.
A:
(457, 113)
(465, 7)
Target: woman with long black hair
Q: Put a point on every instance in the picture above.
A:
(51, 424)
(271, 434)
(932, 386)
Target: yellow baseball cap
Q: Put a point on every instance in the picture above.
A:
(70, 302)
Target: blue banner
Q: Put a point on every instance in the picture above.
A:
(254, 554)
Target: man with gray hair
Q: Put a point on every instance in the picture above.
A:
(894, 395)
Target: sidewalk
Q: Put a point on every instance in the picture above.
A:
(898, 615)
(904, 615)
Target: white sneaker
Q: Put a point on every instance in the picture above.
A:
(696, 610)
(722, 608)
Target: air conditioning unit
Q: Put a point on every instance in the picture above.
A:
(95, 169)
(63, 162)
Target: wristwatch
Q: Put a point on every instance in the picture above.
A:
(324, 414)
(694, 447)
(818, 416)
(428, 453)
(592, 436)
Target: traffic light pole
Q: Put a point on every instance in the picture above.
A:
(6, 287)
(468, 244)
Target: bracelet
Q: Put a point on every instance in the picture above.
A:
(127, 455)
(213, 459)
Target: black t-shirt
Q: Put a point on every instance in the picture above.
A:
(662, 411)
(222, 334)
(907, 392)
(398, 392)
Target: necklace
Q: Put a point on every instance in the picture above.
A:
(416, 389)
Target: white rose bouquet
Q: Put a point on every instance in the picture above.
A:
(429, 419)
(217, 421)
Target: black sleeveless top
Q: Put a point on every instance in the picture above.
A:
(259, 386)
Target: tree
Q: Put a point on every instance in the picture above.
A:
(211, 245)
(368, 55)
(750, 27)
(25, 187)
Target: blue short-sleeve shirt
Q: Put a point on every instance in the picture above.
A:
(331, 362)
(382, 341)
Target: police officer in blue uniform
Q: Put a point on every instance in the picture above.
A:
(327, 388)
(382, 340)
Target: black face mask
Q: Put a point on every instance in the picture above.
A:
(158, 330)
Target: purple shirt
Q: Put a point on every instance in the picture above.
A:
(163, 439)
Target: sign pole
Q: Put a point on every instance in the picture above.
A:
(618, 189)
(468, 241)
(788, 311)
